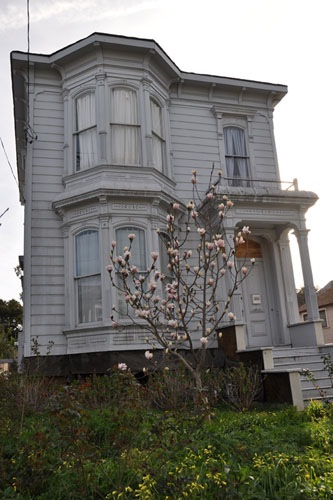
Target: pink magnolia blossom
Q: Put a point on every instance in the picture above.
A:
(152, 285)
(220, 243)
(244, 270)
(230, 264)
(201, 231)
(113, 244)
(122, 367)
(176, 206)
(149, 355)
(131, 236)
(190, 205)
(204, 341)
(230, 204)
(194, 214)
(253, 260)
(109, 268)
(173, 323)
(246, 230)
(142, 313)
(210, 196)
(209, 245)
(231, 316)
(154, 255)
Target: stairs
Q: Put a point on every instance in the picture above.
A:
(319, 387)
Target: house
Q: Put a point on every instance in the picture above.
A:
(108, 130)
(325, 304)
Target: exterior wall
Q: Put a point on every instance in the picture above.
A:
(60, 202)
(44, 283)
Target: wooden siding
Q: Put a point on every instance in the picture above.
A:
(47, 249)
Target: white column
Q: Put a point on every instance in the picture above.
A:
(290, 297)
(309, 289)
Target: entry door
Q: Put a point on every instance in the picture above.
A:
(256, 310)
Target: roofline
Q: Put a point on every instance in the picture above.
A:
(148, 44)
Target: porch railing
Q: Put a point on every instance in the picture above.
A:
(259, 183)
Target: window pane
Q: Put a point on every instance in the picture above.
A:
(87, 253)
(86, 138)
(156, 118)
(89, 299)
(138, 249)
(85, 112)
(236, 156)
(124, 106)
(86, 147)
(158, 153)
(88, 278)
(124, 128)
(125, 144)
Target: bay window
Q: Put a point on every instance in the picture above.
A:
(85, 131)
(88, 277)
(237, 160)
(125, 129)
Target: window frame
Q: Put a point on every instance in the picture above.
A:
(77, 132)
(122, 307)
(237, 181)
(322, 312)
(159, 135)
(97, 313)
(126, 126)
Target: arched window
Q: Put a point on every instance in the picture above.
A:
(125, 129)
(157, 135)
(88, 277)
(85, 131)
(236, 157)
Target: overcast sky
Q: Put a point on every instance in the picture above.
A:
(278, 41)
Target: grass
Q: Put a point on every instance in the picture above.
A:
(103, 438)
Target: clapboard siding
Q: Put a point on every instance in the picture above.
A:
(47, 248)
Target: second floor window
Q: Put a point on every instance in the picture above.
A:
(85, 134)
(125, 130)
(237, 160)
(157, 135)
(88, 277)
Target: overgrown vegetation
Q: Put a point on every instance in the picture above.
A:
(112, 438)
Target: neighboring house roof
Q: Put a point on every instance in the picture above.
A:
(324, 297)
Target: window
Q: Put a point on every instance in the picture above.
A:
(237, 161)
(88, 277)
(125, 130)
(85, 135)
(138, 255)
(322, 315)
(157, 135)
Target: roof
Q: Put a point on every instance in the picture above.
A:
(145, 45)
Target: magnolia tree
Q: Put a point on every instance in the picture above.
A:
(182, 307)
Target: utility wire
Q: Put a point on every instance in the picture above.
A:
(10, 166)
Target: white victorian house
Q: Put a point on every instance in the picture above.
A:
(108, 131)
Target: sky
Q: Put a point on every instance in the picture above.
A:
(287, 42)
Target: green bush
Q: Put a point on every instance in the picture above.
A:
(100, 438)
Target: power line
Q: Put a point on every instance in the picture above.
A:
(10, 166)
